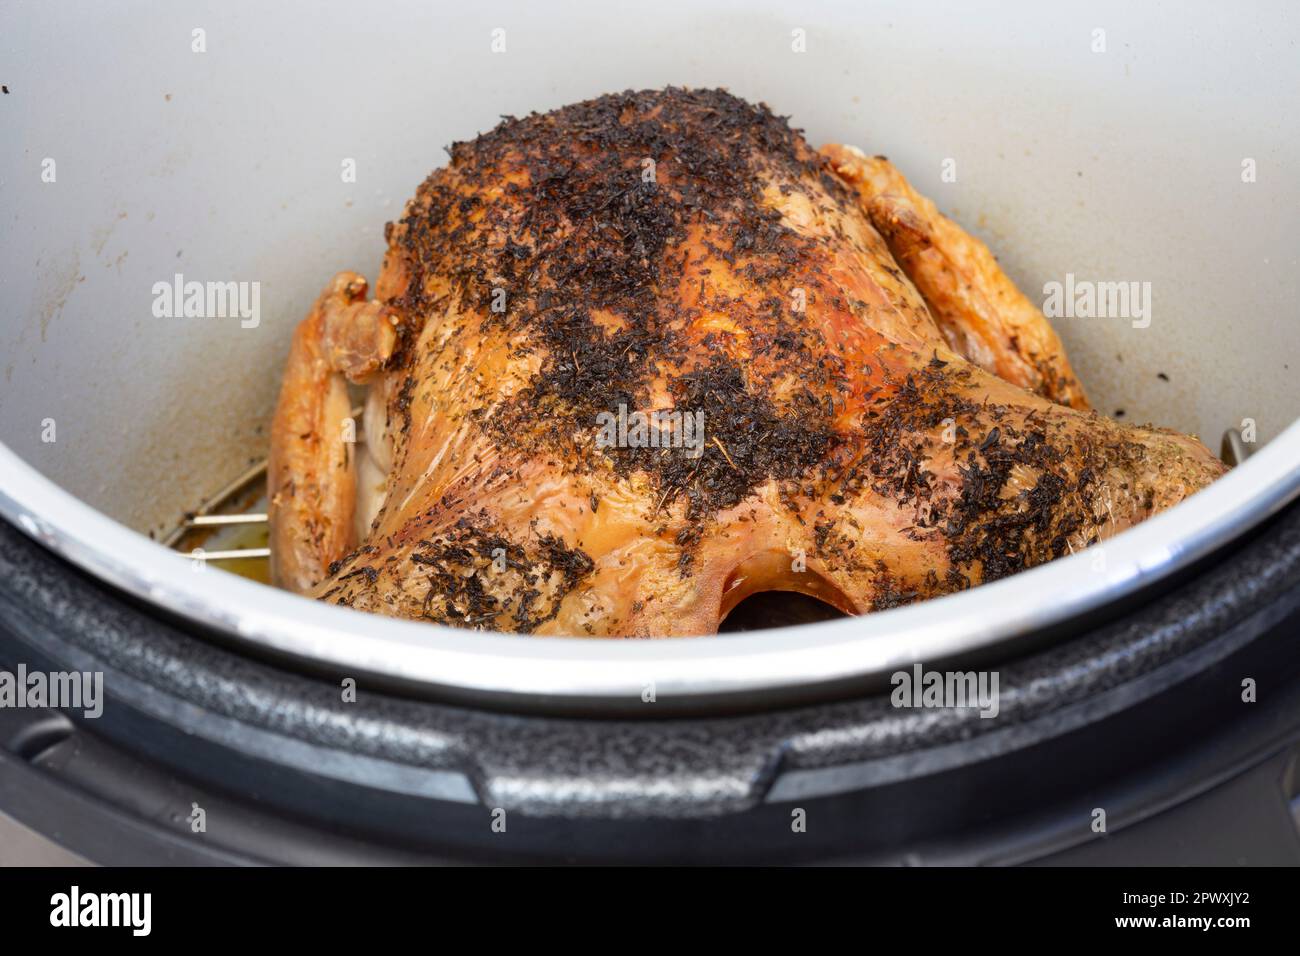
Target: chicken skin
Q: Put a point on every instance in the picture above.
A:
(881, 417)
(977, 308)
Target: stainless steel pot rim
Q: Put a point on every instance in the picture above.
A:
(353, 643)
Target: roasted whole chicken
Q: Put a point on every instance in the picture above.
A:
(634, 360)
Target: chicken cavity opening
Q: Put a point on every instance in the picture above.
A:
(770, 589)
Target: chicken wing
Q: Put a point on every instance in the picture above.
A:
(982, 314)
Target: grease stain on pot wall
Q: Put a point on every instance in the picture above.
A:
(57, 283)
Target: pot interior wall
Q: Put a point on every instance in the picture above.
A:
(228, 165)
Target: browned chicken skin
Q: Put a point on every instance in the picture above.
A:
(977, 308)
(683, 250)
